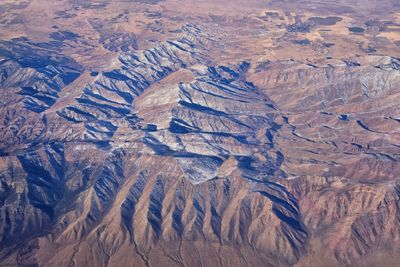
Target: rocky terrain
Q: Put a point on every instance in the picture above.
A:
(187, 133)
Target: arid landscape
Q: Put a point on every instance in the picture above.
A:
(199, 133)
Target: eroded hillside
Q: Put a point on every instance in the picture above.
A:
(169, 133)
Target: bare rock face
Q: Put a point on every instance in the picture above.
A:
(161, 136)
(36, 73)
